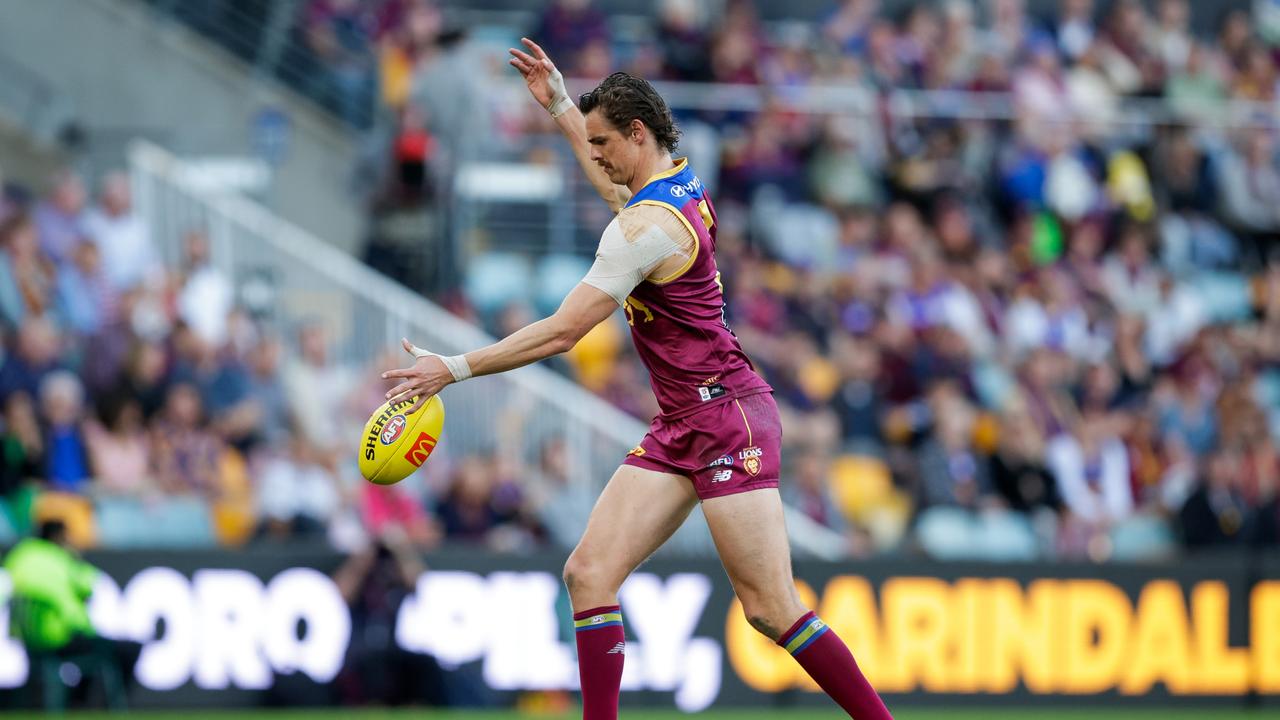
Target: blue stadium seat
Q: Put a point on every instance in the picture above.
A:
(497, 279)
(556, 276)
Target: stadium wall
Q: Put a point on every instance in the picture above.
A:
(261, 628)
(130, 73)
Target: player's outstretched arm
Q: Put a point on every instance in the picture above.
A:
(546, 84)
(583, 309)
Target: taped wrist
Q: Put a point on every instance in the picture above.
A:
(457, 364)
(560, 102)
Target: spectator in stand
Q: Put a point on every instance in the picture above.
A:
(187, 454)
(268, 393)
(36, 355)
(205, 294)
(318, 416)
(809, 491)
(1217, 513)
(62, 408)
(87, 302)
(297, 494)
(682, 37)
(1250, 191)
(146, 377)
(1074, 27)
(1171, 37)
(340, 33)
(119, 448)
(403, 48)
(1017, 467)
(951, 472)
(1091, 469)
(128, 255)
(391, 509)
(26, 276)
(469, 511)
(60, 220)
(566, 26)
(21, 461)
(560, 501)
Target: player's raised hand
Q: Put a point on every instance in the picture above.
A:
(545, 82)
(427, 376)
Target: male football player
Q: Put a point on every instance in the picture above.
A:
(718, 436)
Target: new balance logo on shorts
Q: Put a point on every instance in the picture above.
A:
(722, 476)
(619, 649)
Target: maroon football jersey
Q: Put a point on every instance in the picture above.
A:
(694, 359)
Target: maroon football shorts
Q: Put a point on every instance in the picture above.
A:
(728, 448)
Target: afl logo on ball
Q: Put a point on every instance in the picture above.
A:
(395, 426)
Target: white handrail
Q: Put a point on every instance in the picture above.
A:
(394, 299)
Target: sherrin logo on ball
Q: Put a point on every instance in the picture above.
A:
(395, 443)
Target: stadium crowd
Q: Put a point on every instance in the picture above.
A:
(147, 405)
(1051, 335)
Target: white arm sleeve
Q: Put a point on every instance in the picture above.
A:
(626, 257)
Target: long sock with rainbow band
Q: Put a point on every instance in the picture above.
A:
(828, 661)
(601, 651)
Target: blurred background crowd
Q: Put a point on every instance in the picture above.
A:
(1043, 328)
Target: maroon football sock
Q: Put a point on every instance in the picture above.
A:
(828, 661)
(601, 650)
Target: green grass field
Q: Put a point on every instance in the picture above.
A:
(1206, 713)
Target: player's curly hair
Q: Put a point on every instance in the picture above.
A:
(622, 98)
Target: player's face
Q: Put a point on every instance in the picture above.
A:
(612, 150)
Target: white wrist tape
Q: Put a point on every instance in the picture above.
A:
(457, 364)
(560, 102)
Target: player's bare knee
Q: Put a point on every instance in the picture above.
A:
(583, 575)
(771, 615)
(764, 626)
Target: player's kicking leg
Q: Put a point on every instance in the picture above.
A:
(751, 537)
(638, 510)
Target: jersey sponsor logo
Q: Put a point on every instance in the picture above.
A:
(726, 460)
(722, 475)
(711, 392)
(391, 432)
(678, 191)
(420, 450)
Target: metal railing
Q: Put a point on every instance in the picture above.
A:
(367, 314)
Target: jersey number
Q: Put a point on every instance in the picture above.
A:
(634, 303)
(705, 211)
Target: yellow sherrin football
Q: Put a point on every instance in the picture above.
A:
(395, 444)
